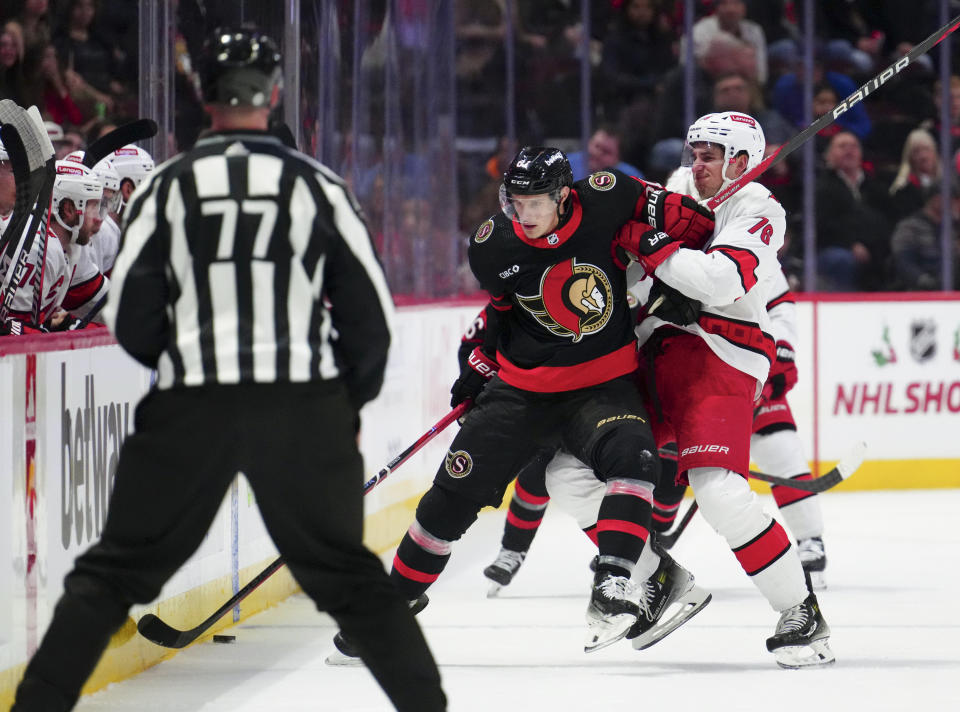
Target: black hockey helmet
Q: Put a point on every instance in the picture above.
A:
(537, 169)
(240, 66)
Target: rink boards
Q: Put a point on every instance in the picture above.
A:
(886, 371)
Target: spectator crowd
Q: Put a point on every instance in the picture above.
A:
(879, 174)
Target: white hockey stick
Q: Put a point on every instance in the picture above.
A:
(837, 111)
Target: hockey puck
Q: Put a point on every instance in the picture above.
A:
(224, 639)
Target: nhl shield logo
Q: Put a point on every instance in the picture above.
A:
(602, 180)
(458, 464)
(923, 339)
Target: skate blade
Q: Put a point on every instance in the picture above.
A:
(494, 590)
(602, 633)
(678, 612)
(338, 659)
(818, 580)
(814, 654)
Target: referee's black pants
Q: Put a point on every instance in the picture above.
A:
(296, 445)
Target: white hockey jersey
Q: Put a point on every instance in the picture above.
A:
(106, 244)
(782, 308)
(87, 283)
(55, 280)
(732, 277)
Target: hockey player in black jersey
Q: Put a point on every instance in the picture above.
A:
(554, 370)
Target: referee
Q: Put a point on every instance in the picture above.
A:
(248, 280)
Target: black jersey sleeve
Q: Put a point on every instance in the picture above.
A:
(621, 196)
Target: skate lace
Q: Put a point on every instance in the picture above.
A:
(793, 619)
(810, 549)
(618, 588)
(648, 593)
(509, 560)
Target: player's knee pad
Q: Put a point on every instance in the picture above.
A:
(779, 453)
(445, 515)
(626, 450)
(728, 504)
(574, 488)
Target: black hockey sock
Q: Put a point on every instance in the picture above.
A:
(623, 526)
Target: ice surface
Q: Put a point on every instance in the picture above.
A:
(893, 576)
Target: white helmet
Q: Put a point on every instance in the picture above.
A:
(78, 183)
(734, 131)
(132, 162)
(108, 177)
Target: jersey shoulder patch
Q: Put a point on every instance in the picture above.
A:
(602, 180)
(483, 232)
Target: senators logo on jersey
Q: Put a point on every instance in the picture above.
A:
(458, 464)
(574, 300)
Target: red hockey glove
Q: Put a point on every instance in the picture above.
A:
(681, 217)
(478, 369)
(647, 245)
(783, 373)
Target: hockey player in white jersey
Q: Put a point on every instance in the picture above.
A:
(50, 274)
(75, 210)
(707, 344)
(106, 242)
(775, 445)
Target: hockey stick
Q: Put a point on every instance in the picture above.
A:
(438, 427)
(32, 159)
(121, 136)
(846, 467)
(157, 631)
(670, 538)
(837, 111)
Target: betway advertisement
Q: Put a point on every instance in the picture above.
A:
(889, 373)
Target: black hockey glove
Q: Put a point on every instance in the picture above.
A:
(474, 376)
(671, 305)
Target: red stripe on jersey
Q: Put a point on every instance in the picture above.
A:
(741, 333)
(761, 551)
(412, 574)
(525, 496)
(515, 521)
(563, 233)
(80, 294)
(785, 298)
(746, 263)
(787, 495)
(622, 526)
(554, 379)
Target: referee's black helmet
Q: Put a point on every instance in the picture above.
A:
(240, 66)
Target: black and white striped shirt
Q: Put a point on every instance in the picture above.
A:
(245, 261)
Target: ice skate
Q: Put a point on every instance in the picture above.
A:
(813, 557)
(503, 569)
(670, 598)
(613, 609)
(346, 655)
(801, 638)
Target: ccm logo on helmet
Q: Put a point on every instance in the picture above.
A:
(694, 449)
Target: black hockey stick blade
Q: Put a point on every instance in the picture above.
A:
(668, 539)
(846, 467)
(156, 631)
(828, 118)
(138, 130)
